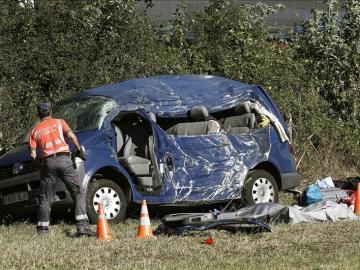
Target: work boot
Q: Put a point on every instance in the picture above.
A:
(83, 228)
(42, 230)
(85, 232)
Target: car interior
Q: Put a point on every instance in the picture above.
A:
(236, 120)
(134, 136)
(239, 119)
(200, 124)
(134, 140)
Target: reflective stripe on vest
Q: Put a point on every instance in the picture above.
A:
(59, 126)
(57, 141)
(49, 145)
(62, 149)
(53, 138)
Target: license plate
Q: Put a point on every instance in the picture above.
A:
(15, 197)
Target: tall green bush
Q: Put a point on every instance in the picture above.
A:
(56, 48)
(330, 50)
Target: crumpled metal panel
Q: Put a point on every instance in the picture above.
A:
(209, 167)
(256, 214)
(169, 95)
(212, 167)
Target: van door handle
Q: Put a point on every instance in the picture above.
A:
(109, 140)
(169, 163)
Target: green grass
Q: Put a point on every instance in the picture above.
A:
(306, 246)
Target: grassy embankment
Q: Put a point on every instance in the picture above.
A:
(307, 246)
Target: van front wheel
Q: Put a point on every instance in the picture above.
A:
(260, 187)
(112, 198)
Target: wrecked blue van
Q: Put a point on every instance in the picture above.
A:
(172, 140)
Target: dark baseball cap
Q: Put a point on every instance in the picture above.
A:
(44, 107)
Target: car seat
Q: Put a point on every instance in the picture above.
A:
(243, 120)
(202, 125)
(134, 151)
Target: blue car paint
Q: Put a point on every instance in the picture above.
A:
(207, 167)
(173, 96)
(17, 154)
(100, 150)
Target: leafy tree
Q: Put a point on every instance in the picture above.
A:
(331, 48)
(53, 49)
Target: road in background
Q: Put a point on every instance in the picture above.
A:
(295, 10)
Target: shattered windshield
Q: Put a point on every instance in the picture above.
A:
(84, 113)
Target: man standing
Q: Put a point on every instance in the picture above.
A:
(47, 139)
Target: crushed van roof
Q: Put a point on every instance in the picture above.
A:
(174, 94)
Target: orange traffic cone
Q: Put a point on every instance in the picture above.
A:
(144, 229)
(103, 228)
(357, 200)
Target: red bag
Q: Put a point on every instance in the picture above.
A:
(349, 200)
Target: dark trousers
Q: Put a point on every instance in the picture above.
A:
(61, 167)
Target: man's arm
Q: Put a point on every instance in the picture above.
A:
(68, 133)
(80, 151)
(74, 140)
(32, 145)
(33, 154)
(35, 160)
(72, 137)
(32, 148)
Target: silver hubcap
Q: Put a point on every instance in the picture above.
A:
(263, 191)
(110, 201)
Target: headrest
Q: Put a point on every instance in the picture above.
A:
(242, 108)
(198, 113)
(152, 116)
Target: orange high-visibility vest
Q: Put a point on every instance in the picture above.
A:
(48, 137)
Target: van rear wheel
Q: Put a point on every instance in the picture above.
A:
(112, 198)
(260, 187)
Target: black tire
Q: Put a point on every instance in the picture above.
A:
(260, 187)
(113, 198)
